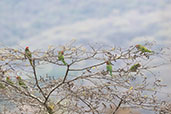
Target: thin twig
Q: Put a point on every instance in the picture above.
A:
(37, 83)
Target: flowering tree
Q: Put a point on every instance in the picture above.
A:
(84, 85)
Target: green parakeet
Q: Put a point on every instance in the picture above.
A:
(134, 67)
(9, 80)
(61, 57)
(28, 55)
(2, 86)
(143, 49)
(109, 67)
(50, 110)
(21, 82)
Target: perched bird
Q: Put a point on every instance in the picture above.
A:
(21, 82)
(61, 57)
(50, 107)
(28, 55)
(142, 48)
(2, 86)
(109, 67)
(135, 67)
(9, 80)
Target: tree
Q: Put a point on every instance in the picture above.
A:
(85, 86)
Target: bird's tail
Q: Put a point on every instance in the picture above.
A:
(149, 51)
(31, 63)
(50, 110)
(64, 62)
(23, 85)
(111, 73)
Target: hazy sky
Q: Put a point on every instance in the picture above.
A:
(39, 23)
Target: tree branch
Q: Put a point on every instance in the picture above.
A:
(37, 83)
(66, 74)
(118, 106)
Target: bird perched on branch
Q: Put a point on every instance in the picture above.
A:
(61, 57)
(8, 79)
(109, 67)
(28, 55)
(135, 67)
(21, 82)
(143, 49)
